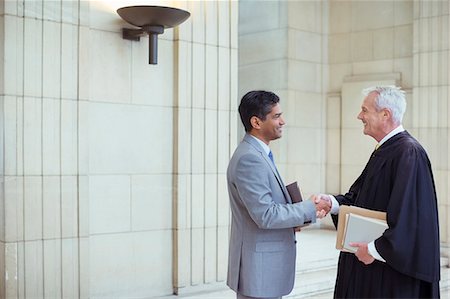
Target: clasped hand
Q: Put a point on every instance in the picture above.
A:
(323, 204)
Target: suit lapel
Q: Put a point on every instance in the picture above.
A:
(266, 158)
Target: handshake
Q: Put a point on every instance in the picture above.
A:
(322, 203)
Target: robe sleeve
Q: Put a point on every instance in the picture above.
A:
(411, 243)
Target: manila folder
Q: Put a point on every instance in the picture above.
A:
(343, 217)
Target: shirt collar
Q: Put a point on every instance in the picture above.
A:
(264, 146)
(392, 133)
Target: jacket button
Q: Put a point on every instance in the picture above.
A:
(295, 241)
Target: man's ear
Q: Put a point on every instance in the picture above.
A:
(387, 114)
(255, 122)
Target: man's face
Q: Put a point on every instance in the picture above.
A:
(372, 119)
(272, 127)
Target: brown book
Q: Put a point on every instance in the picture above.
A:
(294, 192)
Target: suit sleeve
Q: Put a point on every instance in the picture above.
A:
(254, 188)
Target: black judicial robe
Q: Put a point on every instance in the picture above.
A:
(397, 180)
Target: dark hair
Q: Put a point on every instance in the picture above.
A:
(257, 103)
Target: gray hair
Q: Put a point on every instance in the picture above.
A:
(389, 97)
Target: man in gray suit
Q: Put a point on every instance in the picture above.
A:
(262, 242)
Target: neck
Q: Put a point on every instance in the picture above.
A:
(255, 134)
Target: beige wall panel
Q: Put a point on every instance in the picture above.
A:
(303, 145)
(182, 202)
(341, 48)
(32, 208)
(268, 75)
(198, 256)
(184, 140)
(403, 41)
(224, 95)
(84, 267)
(198, 11)
(302, 45)
(198, 75)
(383, 44)
(233, 83)
(333, 183)
(83, 205)
(333, 116)
(32, 142)
(211, 141)
(361, 45)
(154, 76)
(110, 139)
(264, 46)
(51, 65)
(51, 138)
(110, 71)
(83, 137)
(52, 268)
(337, 74)
(84, 63)
(33, 8)
(109, 207)
(254, 12)
(51, 201)
(184, 74)
(333, 146)
(32, 62)
(198, 141)
(403, 12)
(70, 10)
(70, 268)
(51, 10)
(363, 12)
(211, 76)
(234, 23)
(152, 264)
(405, 67)
(210, 254)
(198, 202)
(305, 15)
(13, 208)
(151, 202)
(373, 67)
(34, 278)
(211, 22)
(69, 207)
(14, 53)
(211, 198)
(10, 141)
(224, 23)
(69, 137)
(182, 273)
(340, 16)
(69, 62)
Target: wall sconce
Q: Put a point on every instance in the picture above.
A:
(152, 20)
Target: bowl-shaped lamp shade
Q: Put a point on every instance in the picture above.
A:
(143, 15)
(152, 20)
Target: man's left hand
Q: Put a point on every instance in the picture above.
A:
(362, 253)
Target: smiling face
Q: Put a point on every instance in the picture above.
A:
(374, 121)
(272, 127)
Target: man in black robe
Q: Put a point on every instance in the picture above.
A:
(404, 261)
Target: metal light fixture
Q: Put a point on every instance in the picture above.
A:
(152, 20)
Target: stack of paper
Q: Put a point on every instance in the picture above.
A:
(361, 229)
(357, 224)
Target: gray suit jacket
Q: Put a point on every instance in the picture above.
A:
(261, 261)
